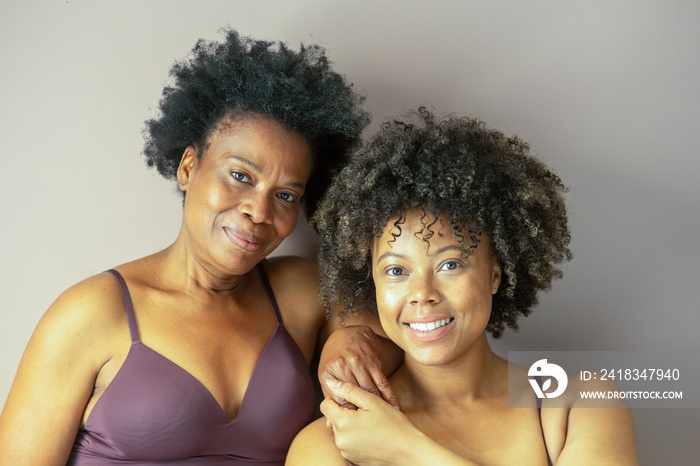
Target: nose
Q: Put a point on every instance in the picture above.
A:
(423, 290)
(257, 207)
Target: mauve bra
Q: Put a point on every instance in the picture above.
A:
(154, 412)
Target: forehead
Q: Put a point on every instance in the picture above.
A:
(419, 223)
(253, 124)
(259, 137)
(422, 230)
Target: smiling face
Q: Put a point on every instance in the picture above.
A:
(242, 193)
(432, 302)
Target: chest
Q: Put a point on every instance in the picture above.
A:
(216, 342)
(154, 407)
(490, 434)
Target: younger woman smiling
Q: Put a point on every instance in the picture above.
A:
(453, 229)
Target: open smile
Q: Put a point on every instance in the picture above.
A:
(430, 331)
(429, 326)
(244, 240)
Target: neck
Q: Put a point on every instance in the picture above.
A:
(178, 267)
(476, 374)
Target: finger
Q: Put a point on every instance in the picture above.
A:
(365, 380)
(352, 393)
(328, 393)
(374, 381)
(331, 410)
(333, 371)
(385, 390)
(344, 403)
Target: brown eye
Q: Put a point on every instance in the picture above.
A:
(242, 177)
(287, 197)
(450, 265)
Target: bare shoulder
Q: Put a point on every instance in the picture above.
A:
(601, 431)
(57, 373)
(291, 272)
(80, 327)
(88, 311)
(315, 445)
(295, 283)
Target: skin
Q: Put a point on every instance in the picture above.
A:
(452, 388)
(190, 299)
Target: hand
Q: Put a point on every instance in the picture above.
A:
(350, 355)
(374, 434)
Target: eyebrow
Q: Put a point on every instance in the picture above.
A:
(401, 256)
(245, 161)
(447, 248)
(390, 254)
(257, 168)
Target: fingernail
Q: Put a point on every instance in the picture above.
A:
(333, 383)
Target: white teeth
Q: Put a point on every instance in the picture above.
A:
(427, 327)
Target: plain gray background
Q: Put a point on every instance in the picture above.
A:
(606, 92)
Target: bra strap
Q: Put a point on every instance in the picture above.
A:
(128, 306)
(268, 290)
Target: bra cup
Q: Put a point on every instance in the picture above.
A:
(155, 411)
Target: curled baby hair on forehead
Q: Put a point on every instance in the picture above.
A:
(484, 183)
(428, 220)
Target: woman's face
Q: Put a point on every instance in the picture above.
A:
(243, 192)
(432, 302)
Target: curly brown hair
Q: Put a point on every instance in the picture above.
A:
(484, 182)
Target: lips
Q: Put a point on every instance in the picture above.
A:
(243, 239)
(429, 328)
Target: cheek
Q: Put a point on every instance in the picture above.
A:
(480, 302)
(212, 198)
(286, 222)
(387, 315)
(474, 301)
(388, 301)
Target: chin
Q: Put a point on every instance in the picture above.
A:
(432, 358)
(240, 265)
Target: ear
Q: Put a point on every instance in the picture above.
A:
(495, 275)
(186, 167)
